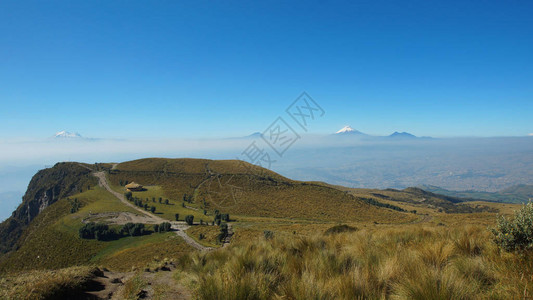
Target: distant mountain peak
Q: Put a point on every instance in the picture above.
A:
(402, 134)
(66, 134)
(255, 135)
(347, 129)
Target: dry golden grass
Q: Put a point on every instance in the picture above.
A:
(159, 247)
(210, 234)
(382, 263)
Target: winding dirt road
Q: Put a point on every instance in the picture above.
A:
(151, 219)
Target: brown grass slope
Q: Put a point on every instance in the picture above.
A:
(240, 188)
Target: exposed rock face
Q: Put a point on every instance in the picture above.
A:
(45, 188)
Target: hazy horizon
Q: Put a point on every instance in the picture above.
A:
(189, 79)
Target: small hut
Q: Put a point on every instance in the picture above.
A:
(134, 187)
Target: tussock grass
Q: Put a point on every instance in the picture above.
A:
(402, 263)
(57, 284)
(132, 287)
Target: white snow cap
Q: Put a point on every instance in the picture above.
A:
(346, 129)
(66, 134)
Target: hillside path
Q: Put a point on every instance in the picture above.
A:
(178, 227)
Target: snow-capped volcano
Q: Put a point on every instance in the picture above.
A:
(347, 129)
(66, 134)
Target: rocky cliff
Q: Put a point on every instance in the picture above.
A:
(45, 188)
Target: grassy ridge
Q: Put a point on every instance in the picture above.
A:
(245, 190)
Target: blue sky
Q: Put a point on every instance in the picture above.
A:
(198, 69)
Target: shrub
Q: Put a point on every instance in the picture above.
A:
(268, 234)
(515, 234)
(177, 216)
(75, 205)
(152, 209)
(156, 228)
(189, 219)
(340, 229)
(224, 217)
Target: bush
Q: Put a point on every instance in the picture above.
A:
(189, 219)
(224, 217)
(75, 205)
(340, 229)
(156, 228)
(177, 216)
(152, 209)
(515, 234)
(166, 201)
(268, 234)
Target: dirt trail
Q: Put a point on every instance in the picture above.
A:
(151, 219)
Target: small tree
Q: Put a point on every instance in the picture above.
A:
(145, 206)
(121, 183)
(205, 212)
(160, 199)
(183, 204)
(152, 209)
(177, 217)
(156, 228)
(128, 195)
(164, 227)
(224, 217)
(189, 219)
(223, 233)
(166, 201)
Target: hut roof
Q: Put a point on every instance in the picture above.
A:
(133, 185)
